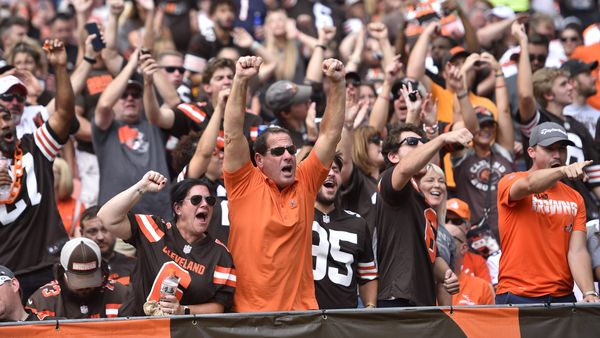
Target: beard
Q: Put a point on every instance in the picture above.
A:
(7, 148)
(326, 200)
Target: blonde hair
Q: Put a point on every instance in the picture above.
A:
(543, 80)
(65, 185)
(441, 210)
(28, 46)
(286, 66)
(360, 150)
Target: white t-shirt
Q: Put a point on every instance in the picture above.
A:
(27, 124)
(585, 114)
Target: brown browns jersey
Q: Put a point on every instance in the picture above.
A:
(31, 229)
(406, 243)
(360, 196)
(204, 268)
(56, 300)
(121, 267)
(342, 258)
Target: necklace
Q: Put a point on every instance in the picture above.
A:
(15, 187)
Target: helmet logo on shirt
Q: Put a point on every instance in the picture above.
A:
(84, 309)
(187, 249)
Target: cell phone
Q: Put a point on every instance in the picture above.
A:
(97, 43)
(412, 96)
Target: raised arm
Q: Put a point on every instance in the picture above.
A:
(112, 59)
(541, 180)
(243, 39)
(379, 31)
(333, 118)
(113, 213)
(524, 76)
(313, 71)
(415, 68)
(82, 12)
(64, 113)
(346, 144)
(104, 113)
(458, 83)
(379, 113)
(161, 117)
(236, 145)
(415, 160)
(208, 141)
(506, 133)
(471, 40)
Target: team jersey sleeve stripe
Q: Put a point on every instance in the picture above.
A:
(224, 276)
(42, 142)
(191, 111)
(149, 228)
(527, 127)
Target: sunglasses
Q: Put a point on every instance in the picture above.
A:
(278, 151)
(197, 199)
(135, 95)
(455, 221)
(172, 69)
(413, 141)
(8, 97)
(541, 58)
(375, 139)
(569, 38)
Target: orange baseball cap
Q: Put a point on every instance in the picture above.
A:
(459, 207)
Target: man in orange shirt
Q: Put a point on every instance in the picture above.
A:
(589, 54)
(473, 290)
(271, 206)
(542, 226)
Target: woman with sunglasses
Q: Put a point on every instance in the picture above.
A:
(180, 248)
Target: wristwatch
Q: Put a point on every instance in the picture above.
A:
(186, 310)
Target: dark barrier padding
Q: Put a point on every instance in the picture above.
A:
(561, 320)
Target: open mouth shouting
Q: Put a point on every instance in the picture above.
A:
(8, 137)
(287, 170)
(202, 216)
(330, 186)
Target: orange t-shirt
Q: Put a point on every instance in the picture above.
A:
(67, 211)
(589, 54)
(446, 102)
(535, 233)
(271, 237)
(473, 291)
(475, 265)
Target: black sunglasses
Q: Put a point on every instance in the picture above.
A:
(278, 151)
(455, 221)
(569, 38)
(172, 69)
(413, 141)
(375, 139)
(135, 95)
(540, 57)
(197, 199)
(10, 96)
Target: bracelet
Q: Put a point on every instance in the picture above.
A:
(321, 46)
(89, 60)
(310, 143)
(462, 95)
(431, 129)
(499, 74)
(370, 306)
(590, 293)
(255, 45)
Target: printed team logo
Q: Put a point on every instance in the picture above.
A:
(480, 174)
(541, 204)
(84, 309)
(134, 139)
(569, 228)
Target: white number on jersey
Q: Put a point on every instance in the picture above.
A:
(32, 191)
(321, 251)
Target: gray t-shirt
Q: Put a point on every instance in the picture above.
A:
(125, 153)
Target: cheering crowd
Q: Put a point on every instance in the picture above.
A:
(164, 157)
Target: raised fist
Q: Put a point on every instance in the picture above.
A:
(247, 66)
(334, 70)
(56, 53)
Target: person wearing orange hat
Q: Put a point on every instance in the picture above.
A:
(458, 216)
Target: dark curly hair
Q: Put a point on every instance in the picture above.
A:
(183, 152)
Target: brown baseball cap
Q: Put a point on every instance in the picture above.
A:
(81, 259)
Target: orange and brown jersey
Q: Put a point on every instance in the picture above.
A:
(205, 268)
(535, 233)
(473, 291)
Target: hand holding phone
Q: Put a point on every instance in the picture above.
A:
(97, 43)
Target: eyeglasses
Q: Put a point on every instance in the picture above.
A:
(455, 221)
(541, 58)
(134, 95)
(278, 151)
(375, 139)
(413, 141)
(172, 69)
(197, 199)
(569, 38)
(8, 97)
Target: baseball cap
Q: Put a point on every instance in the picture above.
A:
(5, 274)
(575, 67)
(135, 83)
(7, 82)
(502, 12)
(284, 93)
(81, 259)
(458, 207)
(484, 115)
(548, 133)
(457, 52)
